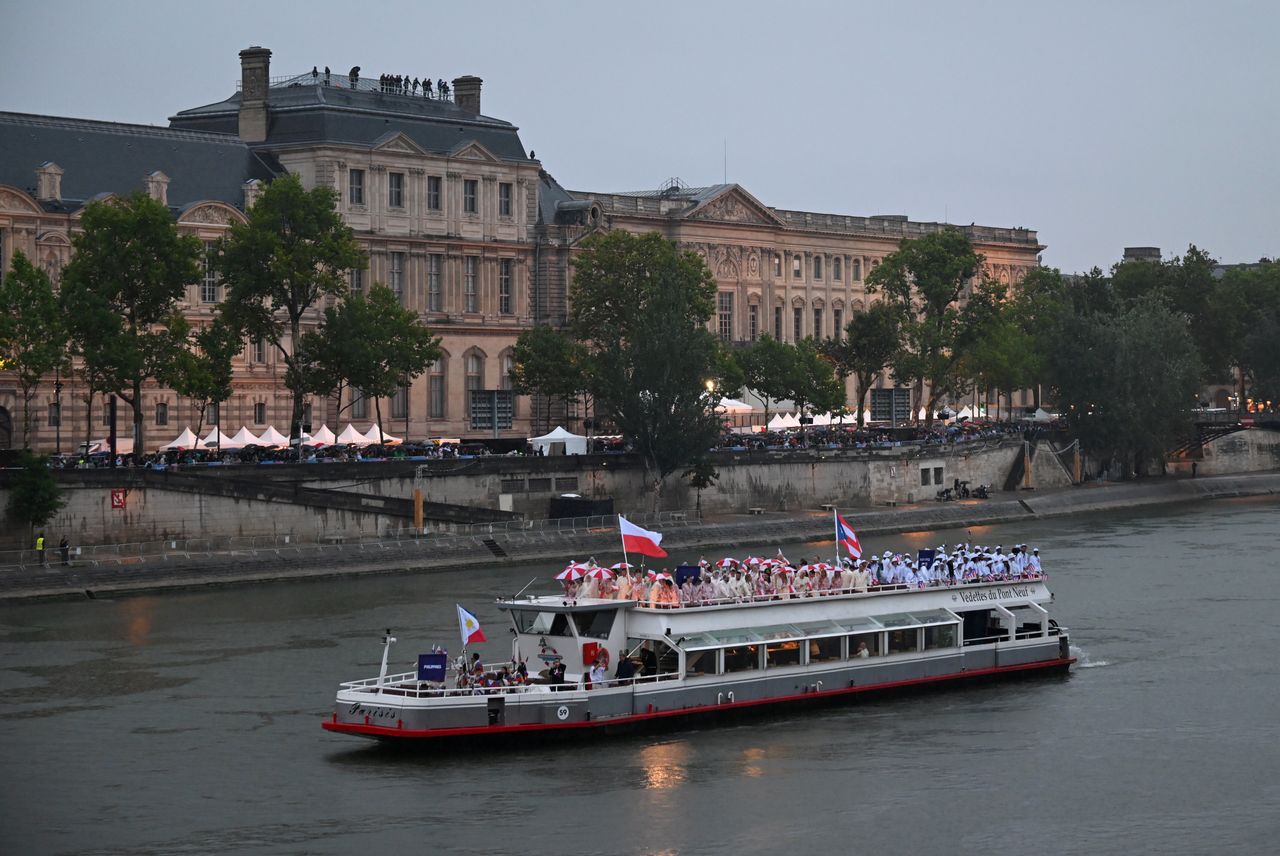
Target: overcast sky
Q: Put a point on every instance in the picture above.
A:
(1102, 125)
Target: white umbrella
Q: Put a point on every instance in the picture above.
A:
(186, 440)
(622, 566)
(245, 437)
(272, 437)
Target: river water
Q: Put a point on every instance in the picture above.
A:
(190, 724)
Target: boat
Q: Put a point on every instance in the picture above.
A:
(698, 662)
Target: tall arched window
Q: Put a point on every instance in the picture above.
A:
(508, 363)
(475, 375)
(436, 408)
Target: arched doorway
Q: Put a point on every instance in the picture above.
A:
(6, 429)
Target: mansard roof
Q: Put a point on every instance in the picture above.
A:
(112, 157)
(306, 114)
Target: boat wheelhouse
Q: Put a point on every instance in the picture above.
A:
(697, 661)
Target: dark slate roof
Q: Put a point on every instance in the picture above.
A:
(306, 114)
(551, 198)
(111, 157)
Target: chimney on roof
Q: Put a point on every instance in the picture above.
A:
(49, 182)
(466, 92)
(252, 190)
(255, 77)
(157, 184)
(1142, 254)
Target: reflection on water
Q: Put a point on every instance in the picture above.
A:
(139, 611)
(750, 756)
(664, 765)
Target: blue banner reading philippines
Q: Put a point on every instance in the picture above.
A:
(431, 667)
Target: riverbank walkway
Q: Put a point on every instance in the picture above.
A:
(118, 570)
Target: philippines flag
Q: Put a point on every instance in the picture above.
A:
(469, 627)
(846, 537)
(642, 541)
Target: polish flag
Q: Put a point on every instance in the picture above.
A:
(642, 541)
(469, 627)
(846, 537)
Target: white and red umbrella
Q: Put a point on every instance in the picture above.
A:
(600, 573)
(573, 572)
(726, 562)
(622, 566)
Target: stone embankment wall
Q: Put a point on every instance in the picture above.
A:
(1249, 451)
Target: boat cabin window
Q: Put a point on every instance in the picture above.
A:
(1029, 623)
(982, 625)
(655, 656)
(704, 662)
(940, 636)
(904, 641)
(782, 654)
(869, 641)
(741, 658)
(825, 649)
(541, 623)
(596, 624)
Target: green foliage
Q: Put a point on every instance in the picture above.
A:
(867, 348)
(372, 344)
(34, 495)
(120, 292)
(925, 280)
(293, 250)
(202, 371)
(1125, 381)
(811, 382)
(1247, 305)
(548, 363)
(767, 368)
(33, 335)
(642, 306)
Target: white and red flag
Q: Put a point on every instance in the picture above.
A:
(469, 627)
(846, 537)
(642, 541)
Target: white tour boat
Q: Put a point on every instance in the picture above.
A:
(699, 661)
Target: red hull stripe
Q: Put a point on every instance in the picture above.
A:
(475, 730)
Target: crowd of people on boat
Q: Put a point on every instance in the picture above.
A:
(733, 580)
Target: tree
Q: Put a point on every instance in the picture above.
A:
(120, 293)
(767, 366)
(701, 476)
(1247, 304)
(548, 363)
(33, 337)
(34, 495)
(812, 381)
(1125, 381)
(202, 371)
(641, 306)
(372, 344)
(867, 348)
(293, 250)
(925, 278)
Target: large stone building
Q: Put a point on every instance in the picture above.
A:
(456, 216)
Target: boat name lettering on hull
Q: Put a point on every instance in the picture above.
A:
(995, 594)
(358, 709)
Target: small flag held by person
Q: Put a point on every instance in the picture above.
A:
(642, 541)
(469, 627)
(846, 537)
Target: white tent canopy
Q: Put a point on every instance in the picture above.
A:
(245, 437)
(778, 422)
(791, 420)
(574, 444)
(350, 435)
(374, 437)
(272, 437)
(822, 419)
(186, 440)
(323, 437)
(732, 405)
(217, 438)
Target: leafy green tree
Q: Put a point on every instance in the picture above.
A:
(926, 279)
(33, 337)
(641, 306)
(550, 364)
(812, 383)
(1125, 380)
(701, 476)
(202, 371)
(867, 348)
(34, 495)
(372, 344)
(294, 250)
(1247, 304)
(120, 292)
(767, 367)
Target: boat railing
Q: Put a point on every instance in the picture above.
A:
(408, 685)
(887, 588)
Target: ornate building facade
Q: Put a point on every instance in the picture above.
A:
(456, 216)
